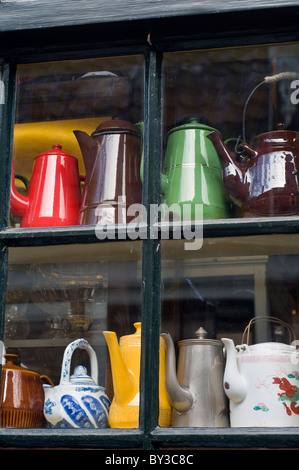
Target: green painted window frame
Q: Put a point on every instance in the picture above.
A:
(151, 39)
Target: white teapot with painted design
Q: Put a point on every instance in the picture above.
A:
(262, 382)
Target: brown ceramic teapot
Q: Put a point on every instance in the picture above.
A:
(22, 396)
(112, 158)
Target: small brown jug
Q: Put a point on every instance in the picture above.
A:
(22, 396)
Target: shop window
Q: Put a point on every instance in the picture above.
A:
(211, 285)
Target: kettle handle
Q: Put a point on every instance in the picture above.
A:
(67, 357)
(266, 318)
(23, 179)
(270, 79)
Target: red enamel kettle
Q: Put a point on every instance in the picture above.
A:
(54, 193)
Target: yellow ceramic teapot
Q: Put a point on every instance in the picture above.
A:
(125, 366)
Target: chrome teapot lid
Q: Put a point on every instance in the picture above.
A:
(200, 339)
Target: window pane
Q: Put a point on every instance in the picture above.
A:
(54, 100)
(215, 101)
(58, 295)
(216, 90)
(224, 287)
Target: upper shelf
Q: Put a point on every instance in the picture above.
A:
(86, 234)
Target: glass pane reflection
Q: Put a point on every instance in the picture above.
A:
(58, 295)
(244, 289)
(59, 105)
(208, 93)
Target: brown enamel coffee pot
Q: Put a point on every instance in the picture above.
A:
(112, 158)
(266, 182)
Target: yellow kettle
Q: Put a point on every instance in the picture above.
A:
(125, 366)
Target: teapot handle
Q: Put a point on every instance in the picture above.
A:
(266, 318)
(248, 150)
(67, 357)
(46, 379)
(24, 180)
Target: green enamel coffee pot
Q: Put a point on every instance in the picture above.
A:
(192, 173)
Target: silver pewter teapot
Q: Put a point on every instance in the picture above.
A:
(196, 391)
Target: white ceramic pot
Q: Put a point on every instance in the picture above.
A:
(262, 383)
(78, 401)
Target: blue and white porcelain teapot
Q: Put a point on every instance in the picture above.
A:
(78, 401)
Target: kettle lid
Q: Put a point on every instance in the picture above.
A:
(80, 376)
(56, 150)
(201, 339)
(271, 348)
(279, 137)
(193, 123)
(18, 369)
(10, 362)
(116, 126)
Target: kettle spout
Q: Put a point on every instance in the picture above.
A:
(234, 383)
(234, 174)
(88, 147)
(123, 381)
(18, 203)
(180, 399)
(221, 149)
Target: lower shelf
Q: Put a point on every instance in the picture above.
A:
(158, 439)
(226, 438)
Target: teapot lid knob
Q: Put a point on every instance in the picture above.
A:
(80, 370)
(280, 126)
(80, 375)
(201, 333)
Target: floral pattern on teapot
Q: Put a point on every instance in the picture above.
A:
(290, 393)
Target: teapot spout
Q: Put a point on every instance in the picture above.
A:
(234, 383)
(52, 406)
(49, 392)
(180, 398)
(221, 149)
(88, 147)
(234, 177)
(123, 380)
(18, 203)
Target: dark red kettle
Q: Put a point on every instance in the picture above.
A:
(54, 193)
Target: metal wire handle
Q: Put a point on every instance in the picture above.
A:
(266, 318)
(268, 79)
